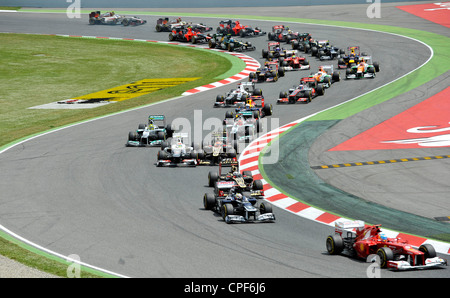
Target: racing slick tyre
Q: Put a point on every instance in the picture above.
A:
(200, 155)
(428, 251)
(132, 136)
(212, 44)
(265, 208)
(209, 201)
(231, 153)
(265, 53)
(229, 115)
(385, 254)
(309, 97)
(377, 66)
(335, 244)
(212, 178)
(160, 135)
(227, 209)
(219, 98)
(230, 47)
(125, 22)
(267, 110)
(336, 77)
(257, 92)
(320, 90)
(163, 155)
(171, 37)
(307, 48)
(294, 44)
(141, 126)
(258, 185)
(169, 130)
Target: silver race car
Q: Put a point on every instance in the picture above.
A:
(150, 134)
(174, 152)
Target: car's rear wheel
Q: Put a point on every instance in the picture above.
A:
(212, 178)
(209, 201)
(334, 244)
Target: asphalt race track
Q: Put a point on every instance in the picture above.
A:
(86, 193)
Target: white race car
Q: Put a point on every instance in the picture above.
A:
(174, 152)
(238, 97)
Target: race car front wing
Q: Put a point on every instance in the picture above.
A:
(266, 217)
(404, 265)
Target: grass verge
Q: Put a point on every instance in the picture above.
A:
(39, 69)
(57, 68)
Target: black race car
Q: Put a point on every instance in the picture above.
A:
(239, 207)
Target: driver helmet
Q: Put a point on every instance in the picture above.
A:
(238, 196)
(383, 236)
(151, 124)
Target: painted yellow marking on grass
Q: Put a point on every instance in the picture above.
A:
(132, 90)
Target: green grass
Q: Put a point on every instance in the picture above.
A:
(32, 258)
(40, 69)
(37, 69)
(10, 7)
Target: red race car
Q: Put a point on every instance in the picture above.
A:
(364, 241)
(294, 62)
(304, 92)
(235, 28)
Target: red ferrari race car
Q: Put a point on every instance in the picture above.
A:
(368, 242)
(294, 62)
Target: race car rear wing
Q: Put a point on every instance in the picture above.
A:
(307, 80)
(348, 226)
(327, 68)
(157, 118)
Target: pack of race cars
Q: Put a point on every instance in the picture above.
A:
(236, 196)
